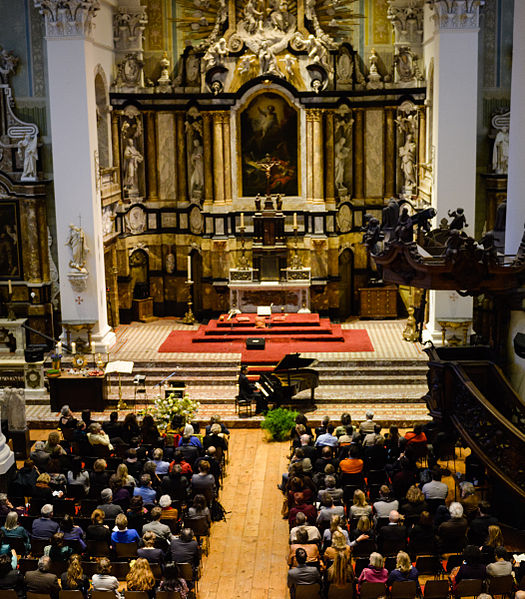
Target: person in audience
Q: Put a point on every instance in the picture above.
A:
(136, 514)
(307, 509)
(404, 571)
(422, 533)
(42, 491)
(44, 527)
(172, 581)
(471, 568)
(86, 417)
(150, 468)
(145, 490)
(414, 502)
(41, 580)
(153, 554)
(122, 474)
(416, 436)
(327, 457)
(374, 572)
(74, 579)
(163, 531)
(123, 534)
(113, 429)
(67, 423)
(5, 549)
(327, 439)
(392, 443)
(111, 510)
(72, 532)
(346, 438)
(148, 431)
(103, 579)
(57, 551)
(130, 428)
(368, 425)
(395, 533)
(161, 465)
(494, 539)
(203, 482)
(199, 508)
(5, 505)
(337, 561)
(360, 507)
(96, 436)
(140, 577)
(210, 456)
(99, 476)
(386, 503)
(363, 527)
(352, 463)
(346, 420)
(370, 438)
(302, 573)
(178, 459)
(312, 551)
(314, 535)
(52, 445)
(132, 463)
(500, 566)
(26, 477)
(435, 489)
(470, 500)
(309, 450)
(13, 530)
(216, 419)
(10, 578)
(57, 480)
(77, 475)
(216, 438)
(185, 549)
(451, 534)
(39, 457)
(479, 526)
(330, 488)
(336, 524)
(376, 455)
(97, 530)
(328, 510)
(168, 512)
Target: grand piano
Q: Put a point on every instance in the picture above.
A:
(291, 375)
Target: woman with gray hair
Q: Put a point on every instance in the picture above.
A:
(96, 436)
(375, 571)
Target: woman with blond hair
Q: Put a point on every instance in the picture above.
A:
(363, 527)
(404, 571)
(42, 491)
(414, 502)
(13, 530)
(140, 577)
(494, 539)
(74, 579)
(52, 446)
(103, 580)
(360, 506)
(336, 523)
(337, 559)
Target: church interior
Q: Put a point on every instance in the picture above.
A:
(324, 193)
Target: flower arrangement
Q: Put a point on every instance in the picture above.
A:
(55, 356)
(165, 409)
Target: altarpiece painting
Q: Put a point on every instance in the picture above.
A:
(9, 241)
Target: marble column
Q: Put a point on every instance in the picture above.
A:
(318, 156)
(218, 158)
(516, 178)
(207, 141)
(72, 57)
(151, 156)
(455, 43)
(390, 151)
(359, 182)
(422, 146)
(330, 161)
(227, 171)
(180, 157)
(309, 156)
(114, 142)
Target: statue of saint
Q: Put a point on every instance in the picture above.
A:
(197, 170)
(341, 153)
(77, 243)
(408, 154)
(27, 150)
(500, 152)
(132, 158)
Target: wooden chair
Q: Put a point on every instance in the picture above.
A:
(372, 590)
(98, 548)
(201, 529)
(156, 570)
(70, 595)
(360, 564)
(429, 565)
(30, 595)
(436, 589)
(120, 569)
(57, 568)
(500, 585)
(364, 548)
(404, 590)
(307, 591)
(8, 594)
(346, 592)
(186, 572)
(390, 563)
(167, 595)
(136, 594)
(89, 568)
(126, 549)
(18, 544)
(37, 546)
(467, 588)
(102, 595)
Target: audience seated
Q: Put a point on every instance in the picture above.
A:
(303, 573)
(162, 531)
(375, 571)
(203, 482)
(471, 568)
(435, 489)
(172, 581)
(404, 571)
(111, 510)
(12, 530)
(153, 554)
(42, 580)
(479, 525)
(74, 579)
(38, 456)
(145, 490)
(451, 534)
(168, 512)
(185, 549)
(44, 527)
(140, 577)
(10, 578)
(386, 503)
(501, 566)
(97, 530)
(360, 506)
(301, 541)
(368, 425)
(314, 535)
(123, 534)
(394, 534)
(57, 551)
(338, 563)
(137, 514)
(42, 490)
(103, 580)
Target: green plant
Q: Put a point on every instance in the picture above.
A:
(279, 423)
(166, 408)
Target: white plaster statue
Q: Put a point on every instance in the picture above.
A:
(132, 159)
(53, 271)
(373, 61)
(253, 18)
(341, 153)
(407, 154)
(27, 150)
(77, 243)
(164, 78)
(280, 17)
(317, 51)
(344, 68)
(267, 61)
(16, 408)
(197, 170)
(170, 263)
(215, 54)
(289, 62)
(246, 63)
(500, 152)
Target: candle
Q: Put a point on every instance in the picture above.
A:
(295, 220)
(59, 347)
(189, 267)
(92, 347)
(9, 287)
(73, 347)
(242, 220)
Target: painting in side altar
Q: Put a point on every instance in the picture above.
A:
(269, 131)
(9, 245)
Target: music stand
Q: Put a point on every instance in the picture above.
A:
(120, 367)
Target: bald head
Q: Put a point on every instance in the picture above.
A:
(394, 516)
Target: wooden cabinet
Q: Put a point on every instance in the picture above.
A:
(378, 302)
(78, 392)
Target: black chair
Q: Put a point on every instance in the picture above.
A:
(364, 548)
(307, 591)
(186, 571)
(403, 590)
(436, 589)
(76, 492)
(390, 547)
(360, 564)
(376, 477)
(126, 550)
(120, 569)
(468, 588)
(348, 493)
(167, 595)
(26, 564)
(372, 590)
(70, 595)
(433, 504)
(355, 479)
(64, 507)
(89, 568)
(8, 594)
(38, 545)
(500, 585)
(429, 565)
(453, 561)
(201, 530)
(30, 595)
(390, 563)
(98, 548)
(18, 544)
(346, 592)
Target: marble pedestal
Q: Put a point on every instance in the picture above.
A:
(14, 328)
(290, 296)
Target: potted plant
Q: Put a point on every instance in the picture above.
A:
(55, 360)
(279, 423)
(173, 407)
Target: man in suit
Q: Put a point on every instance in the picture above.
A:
(185, 549)
(451, 534)
(44, 527)
(248, 391)
(302, 574)
(41, 580)
(393, 536)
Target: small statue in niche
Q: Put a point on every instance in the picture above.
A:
(27, 150)
(500, 152)
(267, 61)
(79, 248)
(341, 152)
(197, 170)
(170, 262)
(458, 219)
(407, 153)
(132, 159)
(164, 78)
(16, 408)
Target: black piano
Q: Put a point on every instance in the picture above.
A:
(291, 375)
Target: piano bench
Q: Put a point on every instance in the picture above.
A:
(243, 407)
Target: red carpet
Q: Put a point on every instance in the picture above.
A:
(286, 334)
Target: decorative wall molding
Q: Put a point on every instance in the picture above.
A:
(68, 18)
(456, 14)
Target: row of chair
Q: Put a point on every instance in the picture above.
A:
(8, 594)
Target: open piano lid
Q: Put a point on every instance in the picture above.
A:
(294, 361)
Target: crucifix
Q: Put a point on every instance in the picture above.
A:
(266, 165)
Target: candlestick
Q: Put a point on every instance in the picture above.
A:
(59, 347)
(92, 347)
(189, 267)
(242, 220)
(295, 221)
(9, 287)
(73, 347)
